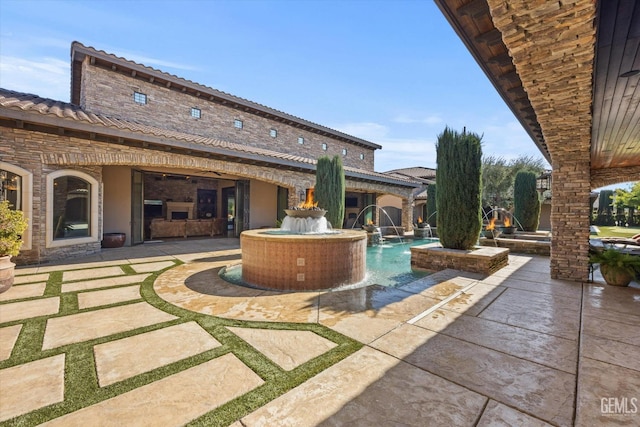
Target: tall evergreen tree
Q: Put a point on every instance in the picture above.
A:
(459, 195)
(431, 205)
(526, 202)
(330, 189)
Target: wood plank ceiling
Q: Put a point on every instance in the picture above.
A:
(615, 132)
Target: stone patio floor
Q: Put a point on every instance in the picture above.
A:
(450, 349)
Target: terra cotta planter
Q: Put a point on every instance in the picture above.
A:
(7, 270)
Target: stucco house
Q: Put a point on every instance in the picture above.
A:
(145, 153)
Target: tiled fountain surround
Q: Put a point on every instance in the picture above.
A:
(303, 261)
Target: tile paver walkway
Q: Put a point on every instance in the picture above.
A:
(126, 357)
(108, 296)
(69, 276)
(100, 323)
(516, 348)
(31, 386)
(8, 337)
(28, 309)
(103, 283)
(171, 401)
(24, 291)
(288, 349)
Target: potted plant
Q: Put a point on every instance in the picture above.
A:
(12, 225)
(617, 268)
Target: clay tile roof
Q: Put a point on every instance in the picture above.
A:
(67, 114)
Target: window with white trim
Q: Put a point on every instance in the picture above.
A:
(273, 133)
(72, 208)
(300, 140)
(361, 156)
(238, 124)
(196, 113)
(344, 151)
(324, 146)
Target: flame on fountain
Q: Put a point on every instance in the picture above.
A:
(308, 202)
(420, 220)
(492, 225)
(507, 221)
(369, 222)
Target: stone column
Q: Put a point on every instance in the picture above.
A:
(407, 213)
(570, 216)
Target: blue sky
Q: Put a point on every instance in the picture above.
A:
(391, 72)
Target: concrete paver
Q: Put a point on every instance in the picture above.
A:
(108, 296)
(19, 280)
(93, 273)
(288, 349)
(150, 267)
(28, 309)
(171, 401)
(100, 323)
(31, 386)
(24, 291)
(103, 283)
(8, 338)
(127, 357)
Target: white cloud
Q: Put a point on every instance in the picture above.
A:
(427, 120)
(46, 77)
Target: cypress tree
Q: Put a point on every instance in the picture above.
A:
(459, 195)
(526, 202)
(330, 189)
(431, 205)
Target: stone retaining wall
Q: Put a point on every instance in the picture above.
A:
(483, 260)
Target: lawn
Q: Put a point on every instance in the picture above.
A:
(613, 231)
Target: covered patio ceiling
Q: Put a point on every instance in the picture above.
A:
(563, 68)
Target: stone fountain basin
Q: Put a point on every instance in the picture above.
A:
(303, 261)
(305, 213)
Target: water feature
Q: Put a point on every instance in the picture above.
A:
(388, 265)
(304, 224)
(385, 212)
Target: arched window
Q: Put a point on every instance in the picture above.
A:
(72, 208)
(16, 185)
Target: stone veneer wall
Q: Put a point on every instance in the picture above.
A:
(170, 109)
(25, 149)
(42, 153)
(604, 177)
(552, 44)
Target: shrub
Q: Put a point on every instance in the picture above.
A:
(459, 195)
(526, 202)
(12, 225)
(329, 191)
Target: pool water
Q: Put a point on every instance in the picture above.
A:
(388, 265)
